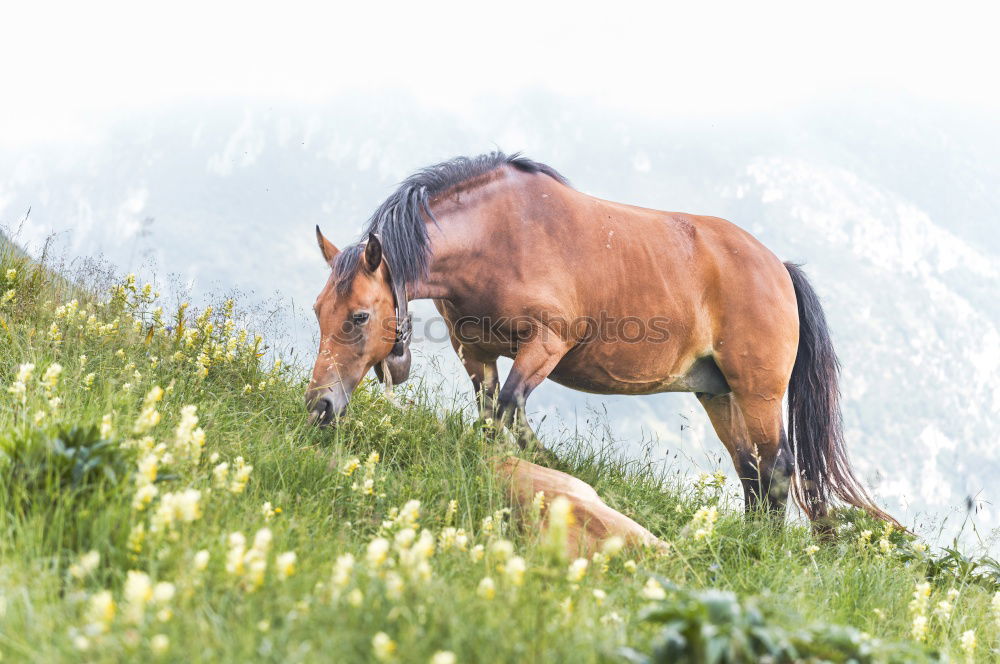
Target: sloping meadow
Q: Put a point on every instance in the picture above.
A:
(164, 498)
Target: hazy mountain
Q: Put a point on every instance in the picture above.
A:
(892, 206)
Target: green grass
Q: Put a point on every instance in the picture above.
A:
(69, 487)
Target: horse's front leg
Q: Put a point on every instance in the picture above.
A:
(535, 360)
(482, 370)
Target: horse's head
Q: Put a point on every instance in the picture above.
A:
(357, 324)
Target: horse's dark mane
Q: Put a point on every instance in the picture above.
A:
(399, 221)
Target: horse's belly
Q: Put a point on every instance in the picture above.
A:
(636, 373)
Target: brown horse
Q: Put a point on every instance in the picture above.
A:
(600, 297)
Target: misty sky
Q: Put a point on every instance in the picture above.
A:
(66, 63)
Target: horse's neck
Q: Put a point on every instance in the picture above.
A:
(460, 228)
(446, 261)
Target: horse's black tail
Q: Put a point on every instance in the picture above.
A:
(815, 426)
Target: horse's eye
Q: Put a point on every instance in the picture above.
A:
(359, 318)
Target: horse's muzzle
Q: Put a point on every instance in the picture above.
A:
(325, 408)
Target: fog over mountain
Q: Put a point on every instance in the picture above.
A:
(892, 206)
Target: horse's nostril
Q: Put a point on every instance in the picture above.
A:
(321, 410)
(324, 411)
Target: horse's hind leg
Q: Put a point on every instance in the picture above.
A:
(751, 429)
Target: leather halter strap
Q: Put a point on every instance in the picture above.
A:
(404, 324)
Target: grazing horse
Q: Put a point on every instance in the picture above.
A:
(600, 297)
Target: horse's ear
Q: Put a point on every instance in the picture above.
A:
(373, 252)
(329, 251)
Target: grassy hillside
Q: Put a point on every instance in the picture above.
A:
(163, 498)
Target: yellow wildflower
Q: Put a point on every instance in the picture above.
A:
(600, 562)
(149, 417)
(19, 387)
(101, 610)
(653, 590)
(163, 592)
(409, 514)
(394, 585)
(577, 570)
(921, 598)
(342, 569)
(515, 569)
(179, 507)
(138, 591)
(443, 657)
(241, 475)
(502, 549)
(487, 589)
(234, 557)
(144, 496)
(703, 522)
(24, 372)
(404, 538)
(200, 560)
(285, 564)
(255, 563)
(55, 334)
(50, 379)
(560, 520)
(220, 474)
(87, 563)
(446, 539)
(147, 469)
(449, 515)
(188, 438)
(159, 644)
(106, 425)
(383, 648)
(538, 504)
(613, 546)
(350, 466)
(968, 644)
(136, 538)
(378, 551)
